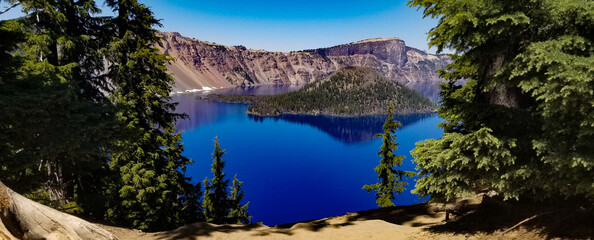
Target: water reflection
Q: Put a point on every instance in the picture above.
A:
(347, 130)
(296, 167)
(202, 113)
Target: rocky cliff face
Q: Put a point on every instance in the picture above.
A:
(203, 65)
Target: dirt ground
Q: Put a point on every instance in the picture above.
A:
(420, 221)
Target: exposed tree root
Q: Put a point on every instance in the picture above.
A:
(22, 218)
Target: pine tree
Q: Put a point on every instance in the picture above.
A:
(56, 122)
(220, 208)
(391, 180)
(88, 115)
(151, 190)
(216, 204)
(12, 34)
(238, 212)
(523, 115)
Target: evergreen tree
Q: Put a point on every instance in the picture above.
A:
(523, 115)
(220, 208)
(238, 212)
(55, 120)
(12, 35)
(216, 204)
(88, 115)
(151, 190)
(391, 181)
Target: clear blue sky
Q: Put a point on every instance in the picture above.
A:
(286, 25)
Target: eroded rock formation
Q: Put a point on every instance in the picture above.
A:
(201, 64)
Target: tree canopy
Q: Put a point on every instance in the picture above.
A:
(522, 121)
(88, 121)
(148, 154)
(56, 122)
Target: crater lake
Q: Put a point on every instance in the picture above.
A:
(296, 167)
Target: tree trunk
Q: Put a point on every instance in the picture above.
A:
(22, 218)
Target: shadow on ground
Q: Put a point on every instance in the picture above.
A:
(415, 215)
(563, 219)
(206, 229)
(490, 219)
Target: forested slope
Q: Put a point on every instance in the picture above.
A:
(352, 91)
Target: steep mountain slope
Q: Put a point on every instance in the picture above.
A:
(202, 64)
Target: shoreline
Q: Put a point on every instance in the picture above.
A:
(334, 115)
(216, 96)
(213, 90)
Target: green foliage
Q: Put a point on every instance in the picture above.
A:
(391, 181)
(152, 192)
(220, 208)
(524, 115)
(459, 163)
(56, 123)
(351, 91)
(88, 123)
(12, 34)
(215, 200)
(237, 211)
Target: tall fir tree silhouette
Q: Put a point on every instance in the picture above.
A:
(391, 180)
(219, 207)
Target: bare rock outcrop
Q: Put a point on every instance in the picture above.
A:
(22, 218)
(200, 64)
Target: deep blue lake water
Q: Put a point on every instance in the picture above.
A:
(295, 167)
